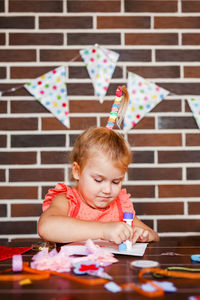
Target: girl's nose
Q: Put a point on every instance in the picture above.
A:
(107, 188)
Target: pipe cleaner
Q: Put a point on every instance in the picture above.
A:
(119, 107)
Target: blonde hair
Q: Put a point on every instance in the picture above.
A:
(108, 142)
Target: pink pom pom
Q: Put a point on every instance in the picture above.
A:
(119, 91)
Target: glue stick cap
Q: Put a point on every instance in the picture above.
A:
(128, 215)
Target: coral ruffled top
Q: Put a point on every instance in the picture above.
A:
(80, 210)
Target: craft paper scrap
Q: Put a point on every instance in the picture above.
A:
(100, 63)
(143, 97)
(8, 252)
(51, 91)
(194, 103)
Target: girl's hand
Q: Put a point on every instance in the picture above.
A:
(140, 235)
(116, 232)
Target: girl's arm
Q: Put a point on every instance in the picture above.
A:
(142, 232)
(54, 225)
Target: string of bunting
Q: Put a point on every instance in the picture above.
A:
(50, 89)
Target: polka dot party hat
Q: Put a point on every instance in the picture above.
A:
(143, 97)
(100, 63)
(194, 104)
(51, 91)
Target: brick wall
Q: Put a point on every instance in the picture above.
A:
(159, 40)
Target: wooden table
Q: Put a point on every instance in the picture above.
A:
(59, 288)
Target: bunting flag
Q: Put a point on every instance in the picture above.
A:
(51, 91)
(194, 103)
(100, 63)
(143, 97)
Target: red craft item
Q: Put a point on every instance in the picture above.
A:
(8, 252)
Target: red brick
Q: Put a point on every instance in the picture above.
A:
(38, 140)
(3, 140)
(179, 225)
(190, 39)
(37, 6)
(193, 208)
(90, 106)
(18, 227)
(17, 158)
(155, 140)
(192, 139)
(142, 157)
(180, 190)
(3, 107)
(145, 123)
(138, 191)
(20, 175)
(28, 72)
(2, 7)
(156, 71)
(190, 88)
(154, 173)
(93, 6)
(65, 22)
(159, 208)
(2, 39)
(168, 106)
(193, 173)
(17, 22)
(192, 72)
(150, 6)
(176, 22)
(23, 107)
(19, 89)
(177, 55)
(89, 38)
(55, 157)
(2, 175)
(18, 124)
(59, 55)
(35, 39)
(18, 192)
(83, 89)
(3, 210)
(178, 156)
(26, 210)
(17, 55)
(123, 22)
(176, 122)
(132, 55)
(190, 6)
(151, 39)
(52, 124)
(82, 123)
(81, 72)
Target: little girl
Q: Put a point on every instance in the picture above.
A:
(94, 208)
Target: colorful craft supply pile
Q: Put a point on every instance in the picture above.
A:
(51, 91)
(63, 260)
(100, 63)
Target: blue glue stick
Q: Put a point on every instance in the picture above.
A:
(128, 219)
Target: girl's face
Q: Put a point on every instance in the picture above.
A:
(100, 181)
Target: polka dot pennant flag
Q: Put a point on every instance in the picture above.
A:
(194, 104)
(51, 91)
(143, 97)
(100, 63)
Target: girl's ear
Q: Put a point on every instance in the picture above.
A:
(75, 170)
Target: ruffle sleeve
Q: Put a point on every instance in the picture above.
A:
(126, 204)
(60, 188)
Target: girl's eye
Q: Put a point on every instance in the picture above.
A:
(98, 180)
(116, 182)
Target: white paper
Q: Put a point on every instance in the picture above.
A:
(137, 250)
